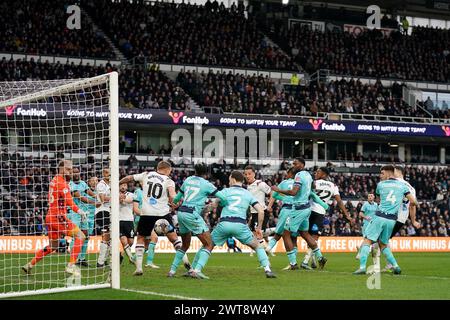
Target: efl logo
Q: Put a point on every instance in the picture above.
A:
(176, 116)
(446, 131)
(315, 123)
(10, 110)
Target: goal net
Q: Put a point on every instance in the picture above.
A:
(41, 124)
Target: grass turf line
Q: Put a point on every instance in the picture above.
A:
(235, 276)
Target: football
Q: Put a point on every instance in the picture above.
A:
(162, 227)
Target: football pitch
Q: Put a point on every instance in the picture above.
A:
(236, 276)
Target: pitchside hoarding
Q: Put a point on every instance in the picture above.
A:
(30, 244)
(178, 118)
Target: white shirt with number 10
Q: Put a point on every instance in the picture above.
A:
(154, 193)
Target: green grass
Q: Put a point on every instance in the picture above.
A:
(235, 276)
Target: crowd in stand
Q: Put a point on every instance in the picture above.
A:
(218, 36)
(24, 185)
(259, 94)
(144, 89)
(140, 87)
(422, 56)
(149, 88)
(40, 27)
(187, 34)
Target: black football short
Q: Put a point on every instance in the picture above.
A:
(315, 223)
(254, 221)
(397, 227)
(147, 224)
(126, 229)
(102, 221)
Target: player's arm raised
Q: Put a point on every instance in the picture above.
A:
(127, 179)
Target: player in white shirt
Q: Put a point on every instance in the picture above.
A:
(405, 210)
(260, 190)
(126, 221)
(327, 191)
(158, 191)
(102, 219)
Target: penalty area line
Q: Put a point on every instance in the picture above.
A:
(175, 296)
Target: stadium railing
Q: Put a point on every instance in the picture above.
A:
(354, 116)
(61, 59)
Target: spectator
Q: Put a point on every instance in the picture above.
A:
(294, 80)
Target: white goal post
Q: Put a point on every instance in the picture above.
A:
(41, 123)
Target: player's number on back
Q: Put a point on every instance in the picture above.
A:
(323, 194)
(391, 197)
(154, 190)
(235, 201)
(191, 192)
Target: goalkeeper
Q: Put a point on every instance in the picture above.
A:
(56, 221)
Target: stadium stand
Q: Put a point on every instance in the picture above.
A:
(187, 34)
(35, 27)
(150, 88)
(259, 94)
(422, 56)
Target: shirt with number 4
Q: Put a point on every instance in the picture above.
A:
(155, 197)
(391, 194)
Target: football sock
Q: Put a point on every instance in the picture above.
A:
(363, 254)
(197, 255)
(176, 260)
(390, 257)
(317, 253)
(151, 252)
(272, 243)
(103, 252)
(139, 256)
(203, 258)
(262, 257)
(292, 256)
(41, 254)
(78, 243)
(307, 256)
(82, 255)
